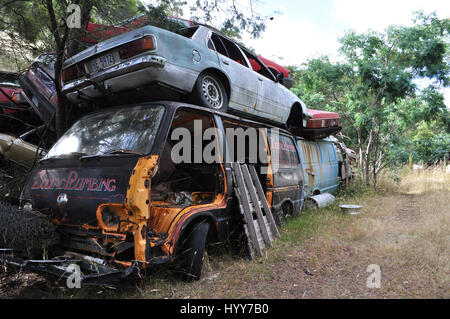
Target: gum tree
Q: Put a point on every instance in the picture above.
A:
(374, 88)
(41, 26)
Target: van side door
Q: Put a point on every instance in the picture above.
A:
(320, 165)
(287, 173)
(330, 167)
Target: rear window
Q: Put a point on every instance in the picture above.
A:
(283, 151)
(8, 79)
(187, 32)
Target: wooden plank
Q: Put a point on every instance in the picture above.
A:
(256, 204)
(259, 233)
(244, 200)
(262, 197)
(250, 245)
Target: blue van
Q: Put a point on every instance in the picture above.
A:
(320, 166)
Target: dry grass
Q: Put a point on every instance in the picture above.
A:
(403, 228)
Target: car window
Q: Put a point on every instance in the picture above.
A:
(274, 72)
(46, 59)
(218, 44)
(211, 45)
(228, 48)
(7, 79)
(257, 66)
(187, 32)
(132, 129)
(283, 151)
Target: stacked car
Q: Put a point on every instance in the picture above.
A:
(12, 103)
(18, 124)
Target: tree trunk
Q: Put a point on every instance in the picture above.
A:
(60, 113)
(360, 149)
(367, 158)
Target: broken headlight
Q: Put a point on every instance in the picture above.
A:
(109, 217)
(27, 207)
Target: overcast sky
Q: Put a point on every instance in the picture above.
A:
(310, 28)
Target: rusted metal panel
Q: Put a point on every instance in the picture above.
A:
(320, 166)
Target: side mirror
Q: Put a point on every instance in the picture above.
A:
(280, 77)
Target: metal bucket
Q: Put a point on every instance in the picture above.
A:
(322, 200)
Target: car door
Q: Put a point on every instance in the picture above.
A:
(330, 167)
(271, 100)
(244, 86)
(320, 166)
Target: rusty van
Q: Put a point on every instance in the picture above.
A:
(122, 201)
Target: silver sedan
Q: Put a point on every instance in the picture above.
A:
(198, 62)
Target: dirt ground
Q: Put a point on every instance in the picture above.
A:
(402, 229)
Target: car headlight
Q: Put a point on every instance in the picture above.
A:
(109, 217)
(27, 207)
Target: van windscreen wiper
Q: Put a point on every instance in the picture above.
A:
(112, 152)
(123, 151)
(66, 155)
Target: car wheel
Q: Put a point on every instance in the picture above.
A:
(280, 215)
(194, 247)
(210, 92)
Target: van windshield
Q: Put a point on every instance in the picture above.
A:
(128, 130)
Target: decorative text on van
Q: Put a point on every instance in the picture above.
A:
(74, 182)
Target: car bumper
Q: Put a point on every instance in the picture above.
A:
(131, 74)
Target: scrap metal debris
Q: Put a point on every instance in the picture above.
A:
(182, 199)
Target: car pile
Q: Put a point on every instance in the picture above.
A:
(111, 183)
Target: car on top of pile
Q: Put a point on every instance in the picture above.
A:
(199, 63)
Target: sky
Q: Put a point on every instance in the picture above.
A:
(306, 29)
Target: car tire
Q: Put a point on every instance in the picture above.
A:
(281, 214)
(279, 217)
(210, 92)
(194, 247)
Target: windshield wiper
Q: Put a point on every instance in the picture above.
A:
(71, 154)
(112, 152)
(123, 151)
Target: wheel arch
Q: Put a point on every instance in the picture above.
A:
(222, 77)
(189, 224)
(296, 115)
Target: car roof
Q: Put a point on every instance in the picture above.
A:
(176, 105)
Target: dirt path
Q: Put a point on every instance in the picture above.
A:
(397, 233)
(321, 255)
